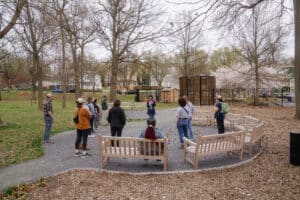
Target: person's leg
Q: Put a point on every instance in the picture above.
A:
(78, 141)
(84, 139)
(180, 131)
(92, 123)
(113, 131)
(219, 124)
(96, 122)
(119, 133)
(48, 124)
(222, 126)
(190, 130)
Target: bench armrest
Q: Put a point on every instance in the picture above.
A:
(188, 141)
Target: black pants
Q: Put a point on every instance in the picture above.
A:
(91, 123)
(220, 124)
(82, 134)
(116, 131)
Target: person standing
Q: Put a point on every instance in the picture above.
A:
(104, 107)
(117, 119)
(219, 115)
(191, 110)
(82, 127)
(182, 116)
(92, 110)
(48, 118)
(97, 114)
(151, 107)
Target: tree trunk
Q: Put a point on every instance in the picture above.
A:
(64, 71)
(40, 81)
(76, 68)
(256, 86)
(297, 57)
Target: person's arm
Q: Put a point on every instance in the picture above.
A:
(177, 116)
(49, 110)
(123, 117)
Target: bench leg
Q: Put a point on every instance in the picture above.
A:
(196, 163)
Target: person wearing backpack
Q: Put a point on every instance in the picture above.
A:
(219, 115)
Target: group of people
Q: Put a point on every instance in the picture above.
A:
(89, 115)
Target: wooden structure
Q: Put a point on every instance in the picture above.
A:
(201, 90)
(139, 97)
(135, 148)
(169, 95)
(213, 144)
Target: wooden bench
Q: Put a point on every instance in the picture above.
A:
(204, 117)
(133, 147)
(253, 135)
(213, 144)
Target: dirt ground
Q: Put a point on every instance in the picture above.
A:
(270, 176)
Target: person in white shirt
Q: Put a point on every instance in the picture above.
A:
(182, 116)
(191, 110)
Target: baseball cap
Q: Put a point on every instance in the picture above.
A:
(49, 95)
(80, 100)
(219, 96)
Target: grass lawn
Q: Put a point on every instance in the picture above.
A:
(22, 136)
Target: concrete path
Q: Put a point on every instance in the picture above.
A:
(60, 155)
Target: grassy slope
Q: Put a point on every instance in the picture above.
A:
(21, 137)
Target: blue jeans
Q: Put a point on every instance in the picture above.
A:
(182, 127)
(191, 136)
(48, 125)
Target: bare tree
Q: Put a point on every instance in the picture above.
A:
(80, 32)
(188, 37)
(228, 11)
(9, 67)
(3, 31)
(35, 36)
(158, 64)
(19, 4)
(122, 25)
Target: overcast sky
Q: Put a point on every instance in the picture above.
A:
(211, 39)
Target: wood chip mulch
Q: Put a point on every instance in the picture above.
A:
(270, 176)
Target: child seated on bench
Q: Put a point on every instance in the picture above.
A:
(153, 133)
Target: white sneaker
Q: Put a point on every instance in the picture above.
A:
(92, 135)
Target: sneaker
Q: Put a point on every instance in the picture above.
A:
(85, 155)
(77, 154)
(48, 142)
(92, 135)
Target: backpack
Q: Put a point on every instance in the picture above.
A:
(225, 108)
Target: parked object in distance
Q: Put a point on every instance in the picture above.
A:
(130, 92)
(57, 90)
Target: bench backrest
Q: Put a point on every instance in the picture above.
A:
(257, 132)
(221, 142)
(132, 147)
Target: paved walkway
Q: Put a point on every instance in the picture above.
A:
(60, 155)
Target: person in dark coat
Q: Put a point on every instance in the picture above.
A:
(117, 119)
(219, 115)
